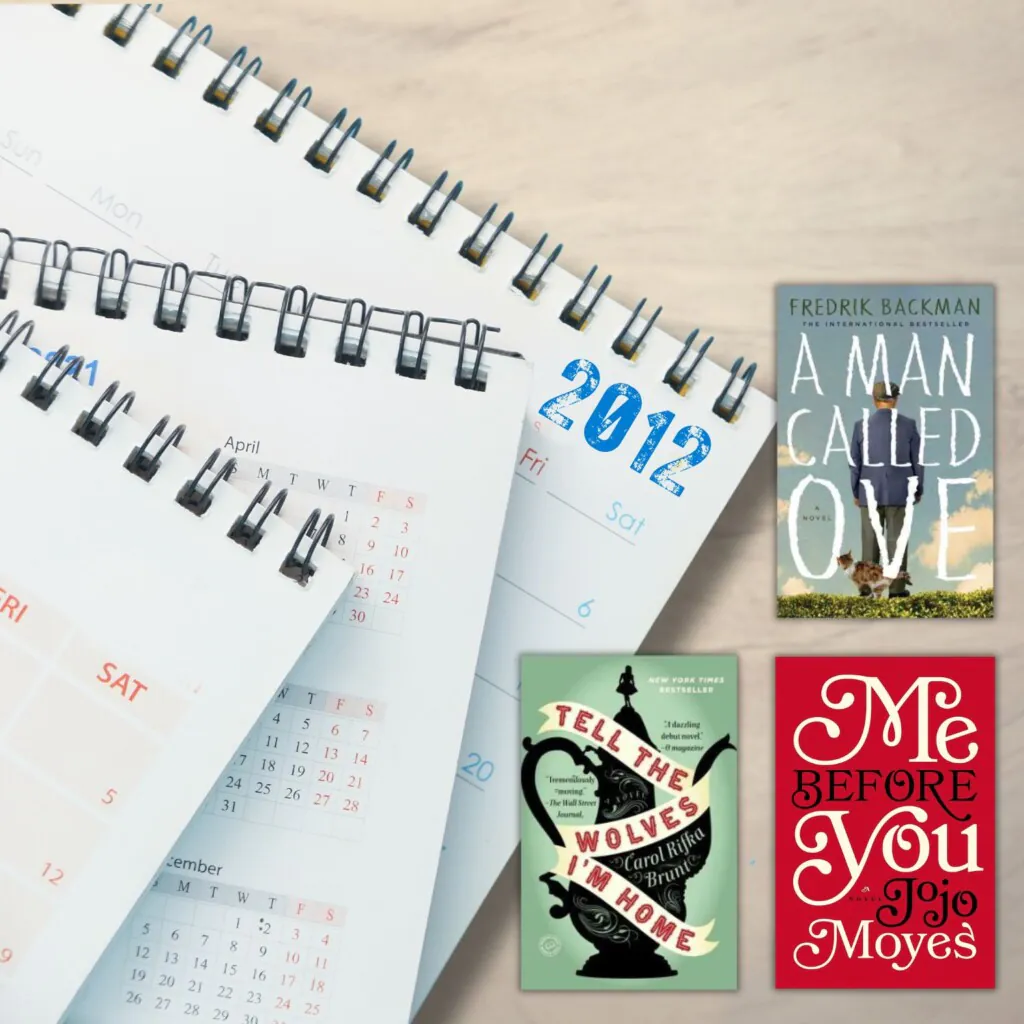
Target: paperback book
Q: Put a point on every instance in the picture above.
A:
(885, 836)
(626, 762)
(886, 482)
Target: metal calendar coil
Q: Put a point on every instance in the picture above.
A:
(197, 494)
(325, 151)
(174, 284)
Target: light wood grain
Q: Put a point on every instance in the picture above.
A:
(702, 151)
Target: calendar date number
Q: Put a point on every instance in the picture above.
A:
(52, 874)
(477, 767)
(613, 418)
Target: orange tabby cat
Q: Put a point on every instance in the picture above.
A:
(868, 577)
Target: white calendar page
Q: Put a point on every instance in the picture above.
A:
(338, 798)
(594, 546)
(123, 687)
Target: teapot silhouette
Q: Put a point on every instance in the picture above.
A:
(661, 870)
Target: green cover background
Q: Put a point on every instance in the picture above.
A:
(712, 893)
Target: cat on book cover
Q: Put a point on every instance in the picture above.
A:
(885, 826)
(905, 459)
(869, 577)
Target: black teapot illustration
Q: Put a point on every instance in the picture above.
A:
(661, 869)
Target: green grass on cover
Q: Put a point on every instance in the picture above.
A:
(932, 604)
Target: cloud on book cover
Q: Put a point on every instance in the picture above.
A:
(983, 579)
(794, 586)
(783, 508)
(785, 457)
(984, 481)
(961, 546)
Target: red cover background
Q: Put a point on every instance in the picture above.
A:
(798, 683)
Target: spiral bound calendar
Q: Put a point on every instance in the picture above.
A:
(405, 429)
(632, 444)
(128, 572)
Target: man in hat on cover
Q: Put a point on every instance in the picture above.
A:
(890, 481)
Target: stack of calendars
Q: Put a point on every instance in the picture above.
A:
(270, 552)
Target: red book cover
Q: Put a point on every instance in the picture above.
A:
(885, 842)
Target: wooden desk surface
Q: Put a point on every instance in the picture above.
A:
(702, 151)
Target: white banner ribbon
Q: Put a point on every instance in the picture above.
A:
(641, 830)
(604, 732)
(575, 860)
(671, 934)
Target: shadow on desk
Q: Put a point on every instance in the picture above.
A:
(486, 935)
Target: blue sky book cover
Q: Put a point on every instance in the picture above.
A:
(886, 485)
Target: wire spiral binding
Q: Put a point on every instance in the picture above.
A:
(195, 495)
(295, 306)
(425, 215)
(301, 568)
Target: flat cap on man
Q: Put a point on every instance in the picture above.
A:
(882, 391)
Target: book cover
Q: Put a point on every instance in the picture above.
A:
(885, 809)
(626, 762)
(886, 455)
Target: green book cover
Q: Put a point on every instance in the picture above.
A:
(626, 761)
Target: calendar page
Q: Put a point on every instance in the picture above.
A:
(339, 796)
(620, 475)
(123, 686)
